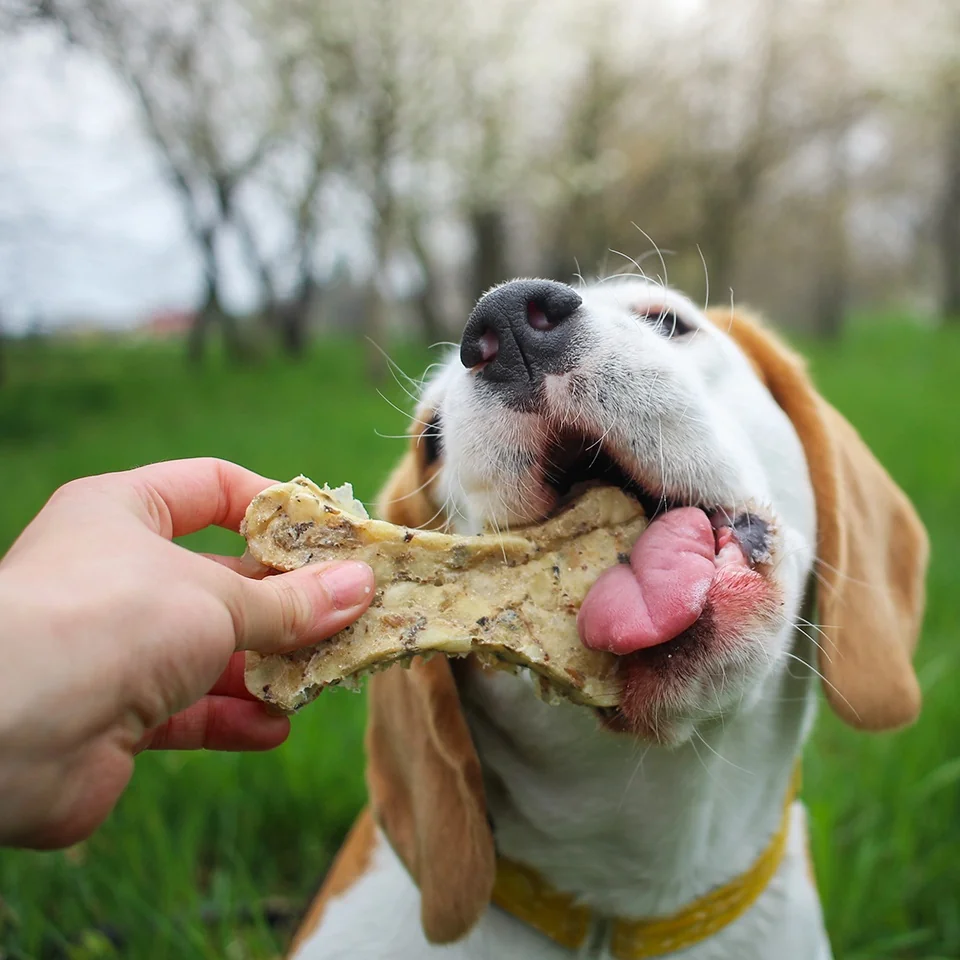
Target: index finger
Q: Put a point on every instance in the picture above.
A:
(231, 682)
(178, 497)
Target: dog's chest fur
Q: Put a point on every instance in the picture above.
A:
(378, 918)
(635, 829)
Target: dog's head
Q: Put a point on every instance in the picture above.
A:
(760, 497)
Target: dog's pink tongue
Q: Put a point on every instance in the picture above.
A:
(661, 592)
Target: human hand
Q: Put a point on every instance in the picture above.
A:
(113, 639)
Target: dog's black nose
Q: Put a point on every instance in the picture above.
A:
(521, 331)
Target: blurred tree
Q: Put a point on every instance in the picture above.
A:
(434, 148)
(205, 107)
(428, 299)
(831, 271)
(835, 106)
(490, 139)
(582, 231)
(369, 99)
(948, 220)
(700, 151)
(379, 60)
(484, 203)
(311, 47)
(734, 141)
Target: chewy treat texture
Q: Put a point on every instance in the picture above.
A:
(510, 600)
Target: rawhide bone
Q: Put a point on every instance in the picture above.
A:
(510, 600)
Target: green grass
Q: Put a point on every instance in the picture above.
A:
(205, 852)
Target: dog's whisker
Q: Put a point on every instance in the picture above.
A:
(796, 625)
(396, 369)
(828, 683)
(663, 262)
(716, 691)
(384, 397)
(720, 756)
(706, 279)
(406, 496)
(633, 775)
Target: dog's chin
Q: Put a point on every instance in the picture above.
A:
(673, 689)
(702, 676)
(667, 730)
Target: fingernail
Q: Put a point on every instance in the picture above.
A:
(350, 583)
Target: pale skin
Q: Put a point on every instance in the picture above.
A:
(115, 640)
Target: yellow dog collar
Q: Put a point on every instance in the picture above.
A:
(521, 892)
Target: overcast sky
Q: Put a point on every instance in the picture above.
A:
(88, 229)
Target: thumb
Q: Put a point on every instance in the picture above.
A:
(295, 609)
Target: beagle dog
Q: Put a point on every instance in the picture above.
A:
(779, 556)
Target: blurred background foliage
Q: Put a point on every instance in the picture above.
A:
(369, 164)
(344, 178)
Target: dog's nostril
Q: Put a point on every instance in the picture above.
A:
(537, 318)
(489, 346)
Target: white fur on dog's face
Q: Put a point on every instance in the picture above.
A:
(681, 411)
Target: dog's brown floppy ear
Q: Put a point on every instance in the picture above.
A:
(872, 548)
(423, 773)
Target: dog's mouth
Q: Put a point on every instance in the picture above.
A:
(695, 591)
(678, 567)
(572, 461)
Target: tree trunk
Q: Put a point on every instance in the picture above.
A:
(830, 305)
(718, 239)
(377, 326)
(293, 338)
(428, 297)
(489, 249)
(293, 319)
(948, 233)
(274, 311)
(377, 318)
(428, 309)
(211, 312)
(200, 329)
(832, 284)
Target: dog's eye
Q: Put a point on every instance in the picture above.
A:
(430, 438)
(666, 323)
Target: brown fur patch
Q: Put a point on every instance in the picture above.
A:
(351, 863)
(872, 548)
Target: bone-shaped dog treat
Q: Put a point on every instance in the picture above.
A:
(510, 600)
